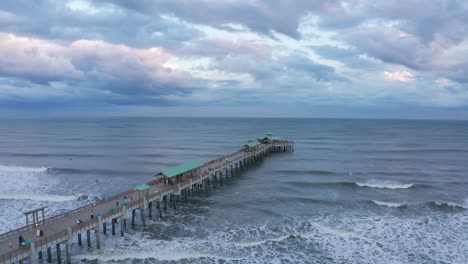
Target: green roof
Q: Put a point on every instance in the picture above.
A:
(35, 210)
(174, 171)
(270, 138)
(142, 187)
(252, 144)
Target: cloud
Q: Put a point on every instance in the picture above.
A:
(125, 74)
(34, 59)
(239, 53)
(92, 20)
(443, 82)
(401, 76)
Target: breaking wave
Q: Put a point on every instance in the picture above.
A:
(389, 204)
(4, 168)
(385, 185)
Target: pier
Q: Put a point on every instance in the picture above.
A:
(50, 239)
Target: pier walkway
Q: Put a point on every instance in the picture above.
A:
(60, 231)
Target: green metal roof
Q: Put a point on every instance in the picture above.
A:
(142, 187)
(35, 210)
(174, 171)
(270, 138)
(252, 144)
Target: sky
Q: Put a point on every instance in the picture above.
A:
(235, 58)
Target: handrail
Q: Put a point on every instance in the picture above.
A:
(11, 255)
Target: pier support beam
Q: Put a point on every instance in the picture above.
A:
(59, 253)
(158, 204)
(114, 220)
(133, 218)
(80, 241)
(104, 228)
(98, 233)
(88, 237)
(68, 246)
(122, 227)
(142, 210)
(150, 209)
(32, 253)
(49, 254)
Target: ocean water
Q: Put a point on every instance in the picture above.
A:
(354, 191)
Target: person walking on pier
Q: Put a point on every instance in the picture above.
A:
(92, 214)
(21, 240)
(116, 203)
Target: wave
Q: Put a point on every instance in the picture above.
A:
(371, 184)
(308, 172)
(93, 171)
(447, 205)
(54, 155)
(40, 197)
(385, 185)
(4, 168)
(389, 204)
(257, 243)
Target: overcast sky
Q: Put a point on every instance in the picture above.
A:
(264, 58)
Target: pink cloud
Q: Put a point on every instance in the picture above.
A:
(401, 76)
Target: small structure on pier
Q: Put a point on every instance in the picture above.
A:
(252, 146)
(180, 172)
(35, 217)
(141, 190)
(269, 138)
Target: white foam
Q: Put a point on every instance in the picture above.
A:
(385, 185)
(38, 197)
(451, 204)
(257, 243)
(4, 168)
(389, 204)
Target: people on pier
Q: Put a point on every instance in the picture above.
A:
(92, 214)
(116, 203)
(21, 240)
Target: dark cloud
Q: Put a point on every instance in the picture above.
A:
(57, 20)
(262, 16)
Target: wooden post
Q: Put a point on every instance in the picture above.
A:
(150, 209)
(59, 253)
(68, 246)
(133, 218)
(43, 218)
(104, 228)
(88, 237)
(98, 233)
(158, 203)
(80, 242)
(122, 227)
(124, 216)
(32, 253)
(142, 210)
(40, 254)
(49, 254)
(113, 226)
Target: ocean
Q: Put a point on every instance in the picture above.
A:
(354, 191)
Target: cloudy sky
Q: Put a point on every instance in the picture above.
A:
(265, 58)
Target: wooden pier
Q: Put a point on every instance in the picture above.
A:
(162, 192)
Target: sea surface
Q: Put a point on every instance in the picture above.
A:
(354, 191)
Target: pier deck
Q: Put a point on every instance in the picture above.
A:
(59, 231)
